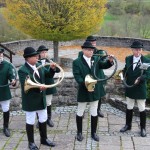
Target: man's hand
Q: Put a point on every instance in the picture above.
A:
(53, 65)
(42, 88)
(13, 82)
(110, 57)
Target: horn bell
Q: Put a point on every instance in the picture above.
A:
(90, 83)
(29, 84)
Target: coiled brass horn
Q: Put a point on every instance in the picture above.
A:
(30, 84)
(90, 81)
(142, 66)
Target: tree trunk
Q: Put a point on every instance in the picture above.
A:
(55, 46)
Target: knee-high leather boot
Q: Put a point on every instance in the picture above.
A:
(6, 122)
(49, 119)
(79, 136)
(30, 136)
(99, 113)
(143, 123)
(43, 134)
(129, 115)
(94, 121)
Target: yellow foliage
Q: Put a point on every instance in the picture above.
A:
(56, 20)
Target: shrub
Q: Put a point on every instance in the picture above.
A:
(146, 10)
(132, 8)
(116, 8)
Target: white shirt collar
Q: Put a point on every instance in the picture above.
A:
(34, 68)
(88, 60)
(43, 61)
(136, 58)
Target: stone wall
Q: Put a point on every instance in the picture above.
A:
(22, 44)
(101, 41)
(121, 42)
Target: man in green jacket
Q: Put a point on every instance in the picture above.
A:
(83, 66)
(6, 74)
(139, 91)
(43, 58)
(101, 53)
(34, 100)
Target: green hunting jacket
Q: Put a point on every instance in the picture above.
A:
(80, 70)
(100, 74)
(6, 75)
(34, 99)
(49, 81)
(139, 91)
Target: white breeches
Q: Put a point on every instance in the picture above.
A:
(5, 105)
(30, 116)
(49, 99)
(82, 107)
(140, 103)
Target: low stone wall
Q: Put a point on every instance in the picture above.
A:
(66, 62)
(121, 42)
(101, 41)
(22, 44)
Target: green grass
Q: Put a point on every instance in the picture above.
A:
(110, 17)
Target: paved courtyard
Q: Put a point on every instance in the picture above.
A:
(64, 131)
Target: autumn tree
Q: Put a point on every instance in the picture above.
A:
(56, 20)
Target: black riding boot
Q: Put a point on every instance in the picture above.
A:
(79, 136)
(94, 121)
(30, 136)
(143, 123)
(99, 113)
(43, 134)
(129, 114)
(49, 114)
(37, 125)
(6, 122)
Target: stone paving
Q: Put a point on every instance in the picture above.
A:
(64, 131)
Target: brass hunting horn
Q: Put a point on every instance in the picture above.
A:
(30, 84)
(142, 66)
(91, 81)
